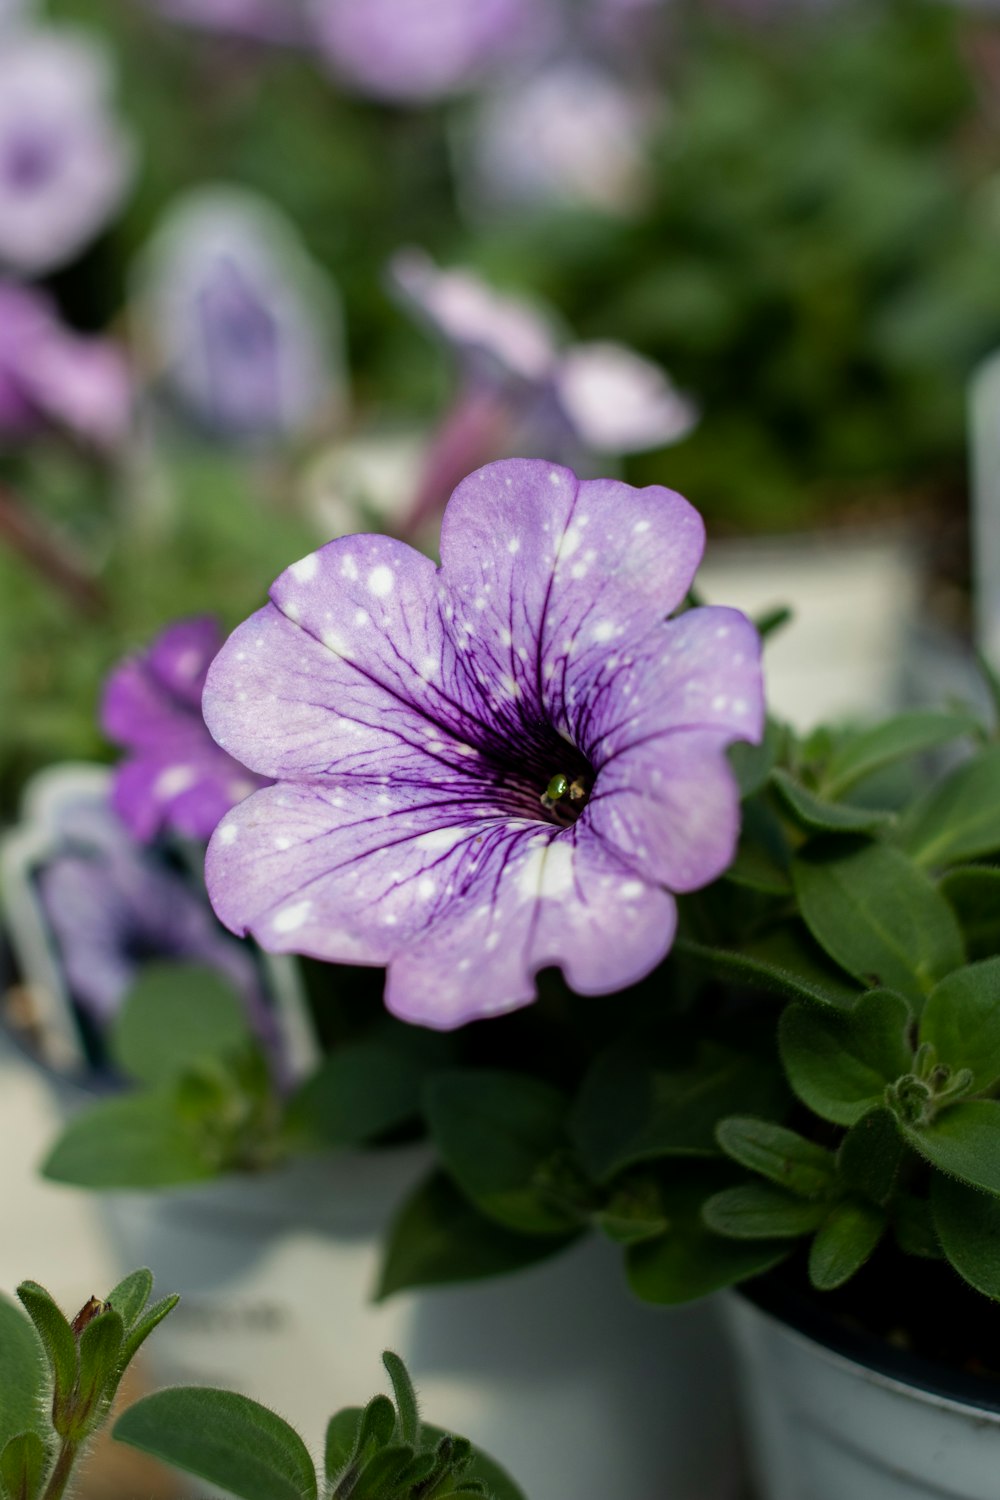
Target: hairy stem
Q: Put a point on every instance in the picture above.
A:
(59, 1478)
(32, 540)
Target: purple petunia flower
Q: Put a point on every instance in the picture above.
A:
(240, 323)
(277, 21)
(509, 762)
(65, 162)
(50, 375)
(176, 776)
(600, 396)
(411, 51)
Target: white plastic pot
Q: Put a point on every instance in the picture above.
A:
(577, 1389)
(846, 1418)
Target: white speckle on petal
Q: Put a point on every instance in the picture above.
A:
(640, 527)
(228, 833)
(281, 842)
(336, 643)
(349, 567)
(426, 888)
(291, 918)
(514, 545)
(722, 632)
(361, 617)
(292, 612)
(306, 568)
(632, 890)
(555, 477)
(381, 581)
(492, 941)
(174, 780)
(719, 702)
(439, 838)
(604, 630)
(740, 707)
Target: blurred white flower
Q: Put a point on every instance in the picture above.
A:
(618, 402)
(65, 160)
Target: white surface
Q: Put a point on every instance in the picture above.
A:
(824, 1428)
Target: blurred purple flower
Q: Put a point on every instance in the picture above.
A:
(411, 51)
(600, 396)
(175, 777)
(240, 323)
(278, 21)
(89, 907)
(65, 162)
(570, 134)
(485, 769)
(50, 375)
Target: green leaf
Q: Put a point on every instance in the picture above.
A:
(406, 1397)
(968, 1226)
(380, 1476)
(57, 1341)
(100, 1345)
(913, 1225)
(689, 1260)
(438, 1237)
(818, 816)
(761, 862)
(645, 1098)
(780, 964)
(752, 764)
(907, 734)
(843, 1244)
(963, 1140)
(962, 1020)
(973, 893)
(23, 1462)
(870, 1155)
(22, 1375)
(482, 1469)
(495, 1132)
(878, 916)
(176, 1015)
(130, 1296)
(959, 819)
(132, 1141)
(140, 1331)
(839, 1063)
(341, 1441)
(378, 1424)
(224, 1438)
(359, 1092)
(758, 1211)
(787, 1159)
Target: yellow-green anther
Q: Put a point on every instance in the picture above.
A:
(557, 787)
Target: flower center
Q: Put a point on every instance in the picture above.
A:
(565, 797)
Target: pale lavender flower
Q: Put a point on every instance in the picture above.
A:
(52, 376)
(412, 51)
(509, 762)
(600, 396)
(65, 161)
(175, 776)
(568, 135)
(240, 324)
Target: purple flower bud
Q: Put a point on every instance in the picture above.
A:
(242, 326)
(176, 776)
(50, 375)
(412, 51)
(65, 162)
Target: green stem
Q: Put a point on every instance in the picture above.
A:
(59, 1478)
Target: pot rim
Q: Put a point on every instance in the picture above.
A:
(917, 1373)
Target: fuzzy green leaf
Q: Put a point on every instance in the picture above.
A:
(758, 1211)
(870, 1155)
(140, 1330)
(359, 1092)
(100, 1346)
(964, 1141)
(789, 1160)
(495, 1132)
(22, 1375)
(224, 1438)
(779, 965)
(406, 1397)
(962, 1019)
(839, 1063)
(844, 1242)
(861, 755)
(959, 819)
(968, 1226)
(439, 1237)
(130, 1296)
(816, 815)
(23, 1462)
(58, 1342)
(132, 1141)
(878, 916)
(973, 893)
(174, 1016)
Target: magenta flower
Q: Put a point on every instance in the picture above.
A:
(508, 762)
(52, 376)
(65, 162)
(411, 51)
(176, 776)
